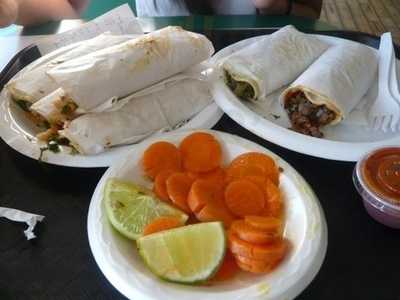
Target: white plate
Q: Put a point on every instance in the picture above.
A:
(348, 141)
(19, 132)
(305, 228)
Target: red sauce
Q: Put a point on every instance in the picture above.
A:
(382, 173)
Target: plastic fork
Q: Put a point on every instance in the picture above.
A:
(394, 84)
(385, 111)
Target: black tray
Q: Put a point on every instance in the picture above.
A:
(362, 261)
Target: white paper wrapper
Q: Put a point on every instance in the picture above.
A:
(141, 115)
(338, 79)
(36, 84)
(118, 71)
(21, 216)
(274, 61)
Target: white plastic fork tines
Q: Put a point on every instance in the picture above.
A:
(385, 111)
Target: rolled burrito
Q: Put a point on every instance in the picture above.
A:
(118, 71)
(268, 64)
(140, 117)
(36, 84)
(333, 85)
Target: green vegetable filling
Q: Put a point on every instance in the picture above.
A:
(243, 90)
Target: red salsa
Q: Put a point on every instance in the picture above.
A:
(382, 173)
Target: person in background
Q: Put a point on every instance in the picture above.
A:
(152, 8)
(31, 12)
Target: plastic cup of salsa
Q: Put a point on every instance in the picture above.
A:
(377, 179)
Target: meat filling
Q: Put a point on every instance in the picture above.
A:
(306, 117)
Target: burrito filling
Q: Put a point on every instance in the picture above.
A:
(306, 117)
(243, 90)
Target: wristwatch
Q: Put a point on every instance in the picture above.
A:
(290, 6)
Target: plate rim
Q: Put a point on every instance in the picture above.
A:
(308, 274)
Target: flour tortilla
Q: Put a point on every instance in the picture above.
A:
(140, 117)
(338, 79)
(274, 61)
(118, 71)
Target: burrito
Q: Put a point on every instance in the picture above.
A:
(118, 71)
(140, 117)
(268, 64)
(36, 84)
(333, 85)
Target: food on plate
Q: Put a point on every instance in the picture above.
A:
(120, 70)
(240, 203)
(130, 208)
(330, 88)
(270, 63)
(138, 118)
(187, 254)
(35, 84)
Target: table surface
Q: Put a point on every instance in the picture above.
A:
(362, 260)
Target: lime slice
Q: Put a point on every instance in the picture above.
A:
(186, 254)
(130, 207)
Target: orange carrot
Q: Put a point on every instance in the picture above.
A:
(215, 212)
(267, 224)
(253, 164)
(178, 187)
(243, 197)
(253, 265)
(161, 224)
(200, 152)
(270, 252)
(161, 156)
(160, 185)
(251, 234)
(228, 268)
(218, 175)
(204, 192)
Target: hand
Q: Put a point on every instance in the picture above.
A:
(8, 12)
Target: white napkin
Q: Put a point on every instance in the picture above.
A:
(21, 216)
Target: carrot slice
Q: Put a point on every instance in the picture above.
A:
(251, 234)
(270, 252)
(161, 224)
(178, 187)
(215, 212)
(160, 184)
(202, 193)
(268, 224)
(243, 197)
(228, 269)
(161, 156)
(218, 175)
(253, 164)
(274, 204)
(253, 265)
(201, 152)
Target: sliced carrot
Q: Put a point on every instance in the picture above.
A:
(218, 175)
(161, 156)
(178, 187)
(243, 197)
(228, 268)
(253, 265)
(215, 212)
(270, 252)
(200, 152)
(274, 204)
(268, 224)
(253, 164)
(204, 192)
(161, 224)
(160, 185)
(251, 234)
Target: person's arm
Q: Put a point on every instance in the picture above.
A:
(305, 8)
(8, 12)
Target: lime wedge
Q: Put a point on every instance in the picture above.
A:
(186, 254)
(130, 207)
